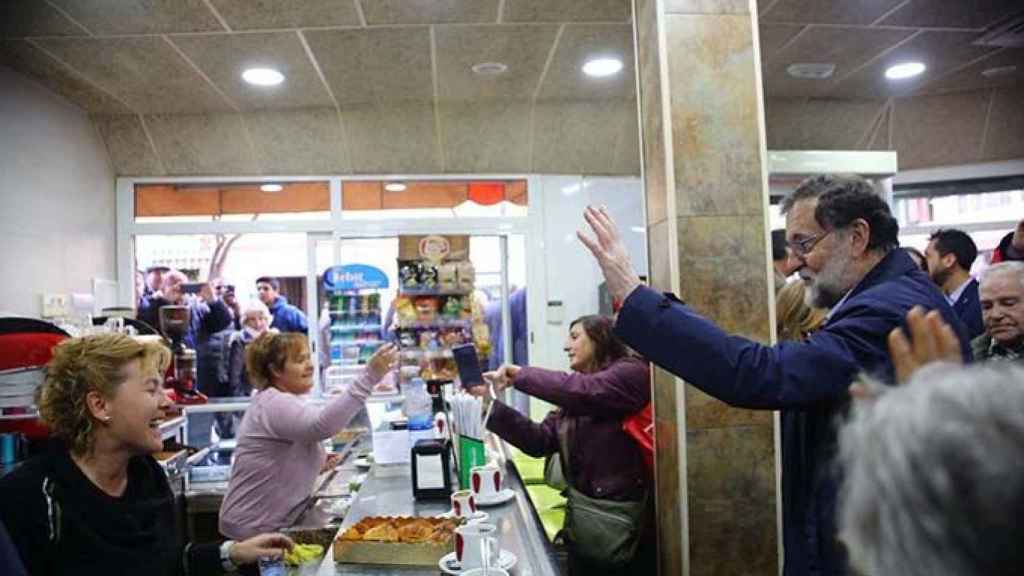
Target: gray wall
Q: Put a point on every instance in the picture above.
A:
(57, 201)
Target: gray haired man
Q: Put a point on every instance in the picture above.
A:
(934, 484)
(1002, 310)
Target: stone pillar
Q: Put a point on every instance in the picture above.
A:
(704, 164)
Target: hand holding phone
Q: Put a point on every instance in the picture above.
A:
(469, 366)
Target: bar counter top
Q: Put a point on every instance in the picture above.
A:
(520, 531)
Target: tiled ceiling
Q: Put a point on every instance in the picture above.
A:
(864, 37)
(185, 56)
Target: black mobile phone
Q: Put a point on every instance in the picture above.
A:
(469, 366)
(192, 287)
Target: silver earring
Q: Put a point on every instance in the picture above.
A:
(106, 418)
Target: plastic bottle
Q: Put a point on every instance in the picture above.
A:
(417, 407)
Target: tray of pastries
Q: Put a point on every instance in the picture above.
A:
(400, 540)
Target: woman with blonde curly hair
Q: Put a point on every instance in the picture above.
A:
(279, 454)
(100, 503)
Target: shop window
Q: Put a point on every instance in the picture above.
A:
(232, 202)
(376, 200)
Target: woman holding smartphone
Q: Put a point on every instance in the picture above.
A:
(602, 464)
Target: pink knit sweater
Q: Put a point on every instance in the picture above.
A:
(279, 457)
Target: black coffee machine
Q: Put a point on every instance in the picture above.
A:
(181, 378)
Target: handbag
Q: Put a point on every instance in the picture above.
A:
(553, 476)
(604, 532)
(640, 427)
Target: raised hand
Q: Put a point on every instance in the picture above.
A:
(383, 361)
(931, 340)
(610, 252)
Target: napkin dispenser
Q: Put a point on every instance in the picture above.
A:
(431, 469)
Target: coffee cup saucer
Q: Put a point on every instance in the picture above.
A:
(497, 498)
(449, 565)
(478, 516)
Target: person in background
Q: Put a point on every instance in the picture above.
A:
(99, 503)
(255, 323)
(208, 312)
(140, 288)
(934, 484)
(794, 319)
(287, 318)
(607, 384)
(950, 254)
(520, 334)
(227, 294)
(843, 237)
(279, 453)
(781, 262)
(1002, 310)
(919, 257)
(1011, 247)
(154, 278)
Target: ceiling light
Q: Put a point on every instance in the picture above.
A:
(998, 71)
(601, 67)
(263, 76)
(271, 188)
(395, 187)
(811, 71)
(490, 68)
(904, 70)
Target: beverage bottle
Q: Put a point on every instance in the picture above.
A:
(418, 406)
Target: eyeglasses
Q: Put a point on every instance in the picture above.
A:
(801, 248)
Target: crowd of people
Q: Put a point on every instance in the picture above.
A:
(899, 379)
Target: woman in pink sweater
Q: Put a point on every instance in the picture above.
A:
(279, 455)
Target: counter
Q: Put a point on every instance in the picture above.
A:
(519, 527)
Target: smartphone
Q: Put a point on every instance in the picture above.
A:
(469, 366)
(191, 287)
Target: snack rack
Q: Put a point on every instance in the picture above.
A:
(434, 310)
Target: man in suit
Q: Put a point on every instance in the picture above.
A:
(842, 240)
(950, 255)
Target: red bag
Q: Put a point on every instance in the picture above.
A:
(640, 427)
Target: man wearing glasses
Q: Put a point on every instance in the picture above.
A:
(842, 239)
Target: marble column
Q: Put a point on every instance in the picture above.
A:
(702, 120)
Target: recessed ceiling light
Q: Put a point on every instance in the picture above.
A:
(998, 71)
(490, 68)
(395, 187)
(811, 71)
(905, 70)
(271, 188)
(601, 67)
(263, 76)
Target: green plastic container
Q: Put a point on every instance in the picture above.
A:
(471, 454)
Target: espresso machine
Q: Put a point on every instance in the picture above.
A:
(181, 378)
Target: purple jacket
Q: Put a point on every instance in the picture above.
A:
(605, 461)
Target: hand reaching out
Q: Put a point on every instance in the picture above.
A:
(262, 546)
(383, 361)
(932, 340)
(610, 252)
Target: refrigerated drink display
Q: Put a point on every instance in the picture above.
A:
(354, 305)
(355, 326)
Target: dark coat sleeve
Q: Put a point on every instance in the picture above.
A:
(620, 389)
(534, 439)
(745, 373)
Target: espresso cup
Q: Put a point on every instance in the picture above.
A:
(463, 504)
(485, 480)
(473, 543)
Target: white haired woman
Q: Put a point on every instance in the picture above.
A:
(100, 503)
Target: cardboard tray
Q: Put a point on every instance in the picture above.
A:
(420, 554)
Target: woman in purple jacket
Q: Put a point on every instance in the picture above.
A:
(606, 385)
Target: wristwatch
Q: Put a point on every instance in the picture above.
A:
(225, 556)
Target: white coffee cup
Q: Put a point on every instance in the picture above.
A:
(474, 542)
(492, 571)
(485, 480)
(463, 504)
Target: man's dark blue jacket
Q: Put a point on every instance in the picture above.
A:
(968, 309)
(287, 318)
(808, 381)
